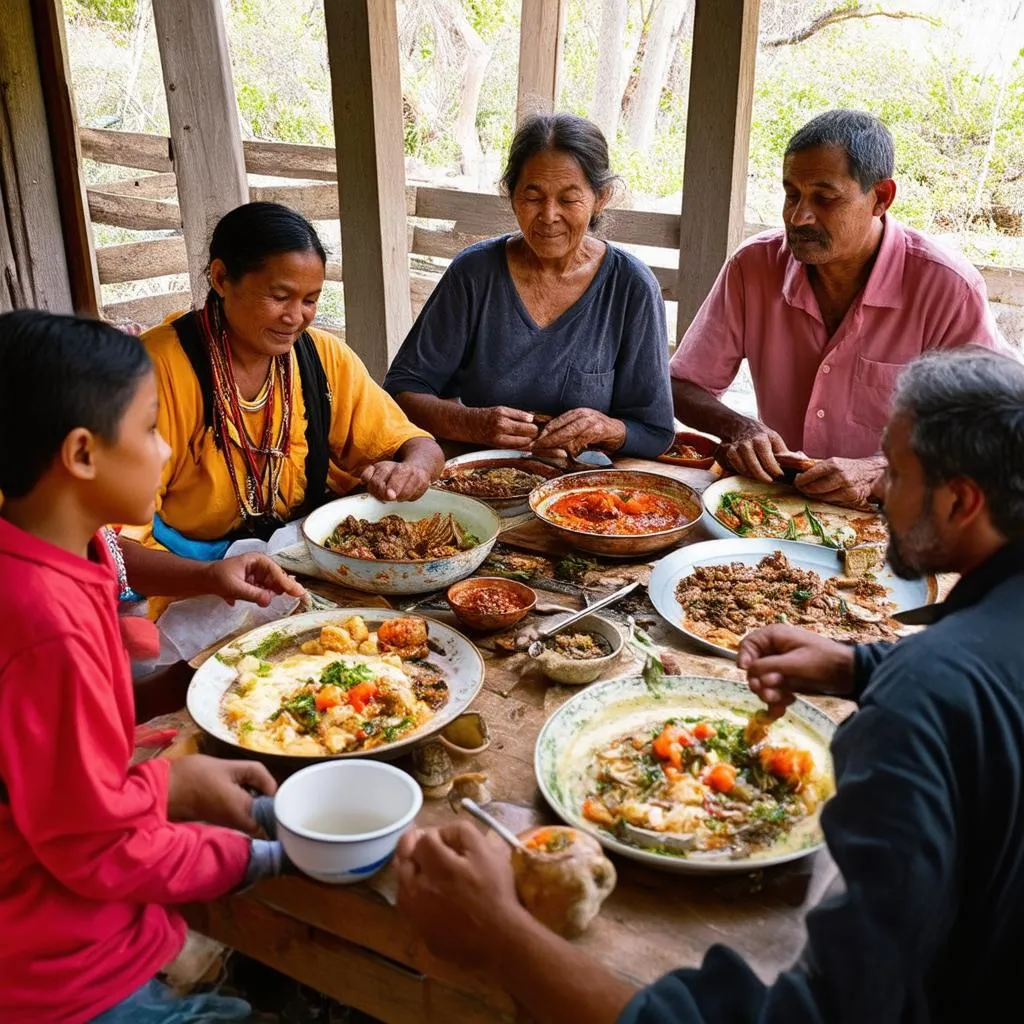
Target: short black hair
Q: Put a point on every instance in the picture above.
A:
(577, 136)
(249, 235)
(870, 150)
(59, 373)
(965, 408)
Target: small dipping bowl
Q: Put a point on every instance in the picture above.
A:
(476, 618)
(704, 446)
(579, 671)
(340, 821)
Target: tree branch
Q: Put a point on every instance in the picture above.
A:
(844, 12)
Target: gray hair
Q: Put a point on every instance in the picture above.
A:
(966, 411)
(566, 133)
(867, 143)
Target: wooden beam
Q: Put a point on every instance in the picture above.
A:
(33, 263)
(147, 310)
(206, 143)
(146, 186)
(541, 31)
(362, 46)
(62, 117)
(136, 213)
(290, 160)
(138, 261)
(717, 145)
(137, 150)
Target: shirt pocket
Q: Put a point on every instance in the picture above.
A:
(871, 392)
(585, 390)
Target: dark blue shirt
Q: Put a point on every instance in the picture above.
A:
(474, 340)
(927, 829)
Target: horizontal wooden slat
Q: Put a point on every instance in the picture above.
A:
(643, 227)
(315, 202)
(288, 160)
(147, 310)
(474, 213)
(127, 149)
(134, 212)
(136, 261)
(147, 186)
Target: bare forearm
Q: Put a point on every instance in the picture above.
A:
(700, 409)
(553, 980)
(442, 417)
(424, 453)
(159, 572)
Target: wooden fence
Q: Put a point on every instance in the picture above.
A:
(442, 222)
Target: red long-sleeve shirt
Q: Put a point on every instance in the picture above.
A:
(88, 860)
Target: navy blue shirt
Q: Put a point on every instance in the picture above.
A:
(927, 829)
(474, 340)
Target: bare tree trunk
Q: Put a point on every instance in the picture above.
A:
(478, 56)
(140, 32)
(643, 111)
(611, 56)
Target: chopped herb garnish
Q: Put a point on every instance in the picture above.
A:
(269, 645)
(345, 676)
(302, 707)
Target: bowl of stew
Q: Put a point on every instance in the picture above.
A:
(695, 451)
(491, 602)
(619, 513)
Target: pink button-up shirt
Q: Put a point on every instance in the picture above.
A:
(830, 396)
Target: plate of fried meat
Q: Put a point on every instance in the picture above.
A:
(718, 591)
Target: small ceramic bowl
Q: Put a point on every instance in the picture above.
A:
(707, 446)
(466, 735)
(524, 596)
(578, 671)
(340, 821)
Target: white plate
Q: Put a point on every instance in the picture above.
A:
(824, 561)
(606, 710)
(712, 496)
(461, 664)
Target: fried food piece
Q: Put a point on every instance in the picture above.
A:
(406, 637)
(337, 639)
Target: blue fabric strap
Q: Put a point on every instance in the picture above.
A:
(186, 547)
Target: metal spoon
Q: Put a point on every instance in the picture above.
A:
(492, 823)
(674, 842)
(536, 647)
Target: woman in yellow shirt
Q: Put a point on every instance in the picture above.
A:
(267, 417)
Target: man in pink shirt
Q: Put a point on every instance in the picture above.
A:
(827, 311)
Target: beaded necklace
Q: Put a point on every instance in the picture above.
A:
(264, 458)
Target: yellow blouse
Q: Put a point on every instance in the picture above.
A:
(196, 496)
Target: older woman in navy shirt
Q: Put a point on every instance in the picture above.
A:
(549, 320)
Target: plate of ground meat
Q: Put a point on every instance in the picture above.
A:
(718, 591)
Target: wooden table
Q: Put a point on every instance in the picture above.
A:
(350, 943)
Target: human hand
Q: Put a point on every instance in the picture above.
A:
(250, 577)
(216, 791)
(456, 886)
(577, 429)
(849, 482)
(396, 481)
(501, 426)
(782, 661)
(751, 451)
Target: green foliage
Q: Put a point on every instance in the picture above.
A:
(118, 13)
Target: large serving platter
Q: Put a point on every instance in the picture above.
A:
(825, 562)
(456, 657)
(601, 712)
(789, 500)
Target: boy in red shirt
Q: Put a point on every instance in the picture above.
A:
(94, 852)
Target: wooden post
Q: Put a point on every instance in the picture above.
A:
(717, 145)
(33, 265)
(541, 30)
(206, 143)
(362, 47)
(62, 115)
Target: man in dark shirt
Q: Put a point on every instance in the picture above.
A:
(927, 823)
